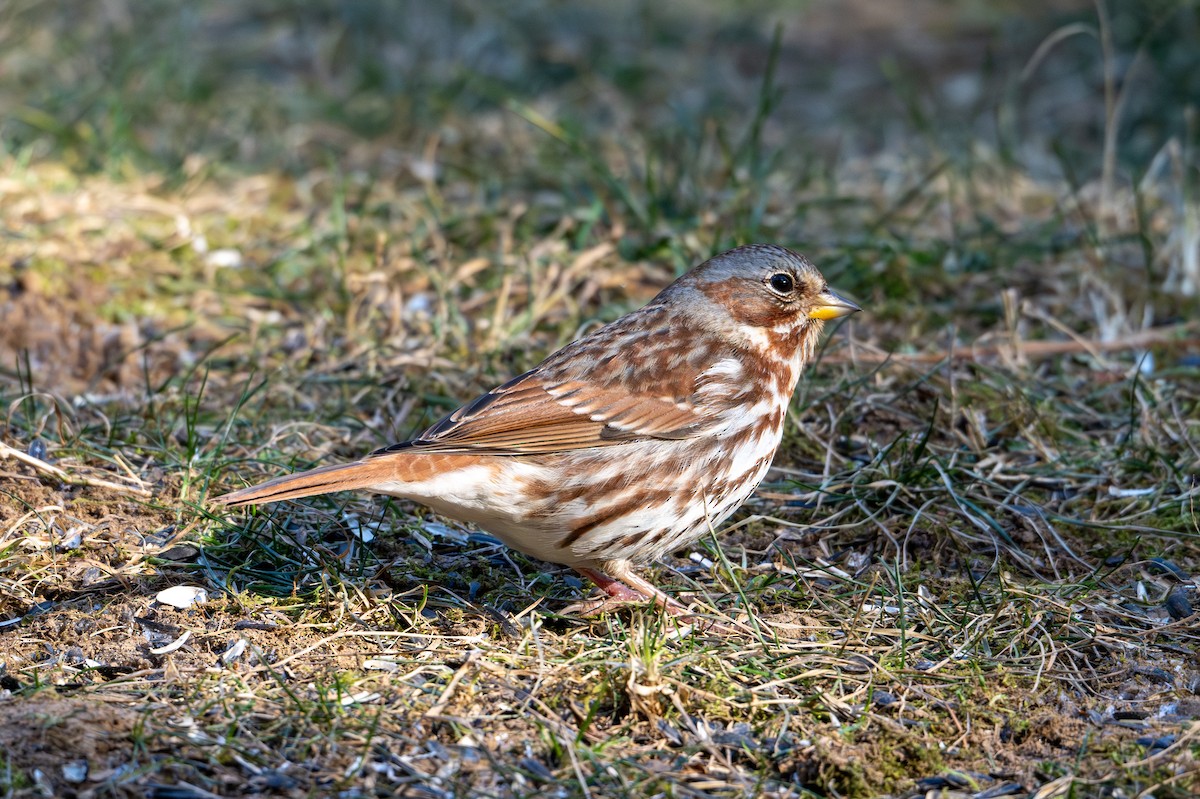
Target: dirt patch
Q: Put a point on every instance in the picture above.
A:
(74, 542)
(70, 741)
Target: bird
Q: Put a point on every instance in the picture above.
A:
(628, 443)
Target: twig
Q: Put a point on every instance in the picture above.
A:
(1162, 336)
(72, 479)
(439, 707)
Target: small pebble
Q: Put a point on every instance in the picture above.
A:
(180, 552)
(1128, 715)
(670, 732)
(1155, 674)
(536, 769)
(1163, 566)
(1151, 742)
(1177, 604)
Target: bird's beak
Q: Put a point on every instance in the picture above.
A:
(831, 305)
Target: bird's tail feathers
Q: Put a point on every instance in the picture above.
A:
(322, 480)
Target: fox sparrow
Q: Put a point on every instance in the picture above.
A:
(626, 444)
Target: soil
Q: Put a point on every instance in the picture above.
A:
(112, 700)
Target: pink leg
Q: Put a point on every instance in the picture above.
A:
(623, 588)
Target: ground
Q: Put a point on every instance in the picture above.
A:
(235, 243)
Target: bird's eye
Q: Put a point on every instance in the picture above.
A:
(782, 283)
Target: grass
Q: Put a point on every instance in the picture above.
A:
(236, 243)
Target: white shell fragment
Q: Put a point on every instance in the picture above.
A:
(359, 698)
(171, 647)
(234, 652)
(76, 771)
(225, 259)
(1125, 493)
(182, 596)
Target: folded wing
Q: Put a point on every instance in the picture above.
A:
(531, 414)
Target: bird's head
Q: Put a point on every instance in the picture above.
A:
(763, 296)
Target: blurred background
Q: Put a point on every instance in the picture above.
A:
(285, 85)
(881, 136)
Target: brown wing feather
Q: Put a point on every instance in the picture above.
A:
(591, 393)
(526, 416)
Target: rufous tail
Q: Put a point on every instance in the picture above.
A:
(322, 480)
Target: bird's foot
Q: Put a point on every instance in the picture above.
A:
(620, 594)
(633, 590)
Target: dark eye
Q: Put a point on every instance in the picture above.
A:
(782, 283)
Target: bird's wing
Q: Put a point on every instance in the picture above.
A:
(534, 414)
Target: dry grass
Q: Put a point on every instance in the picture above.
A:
(233, 245)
